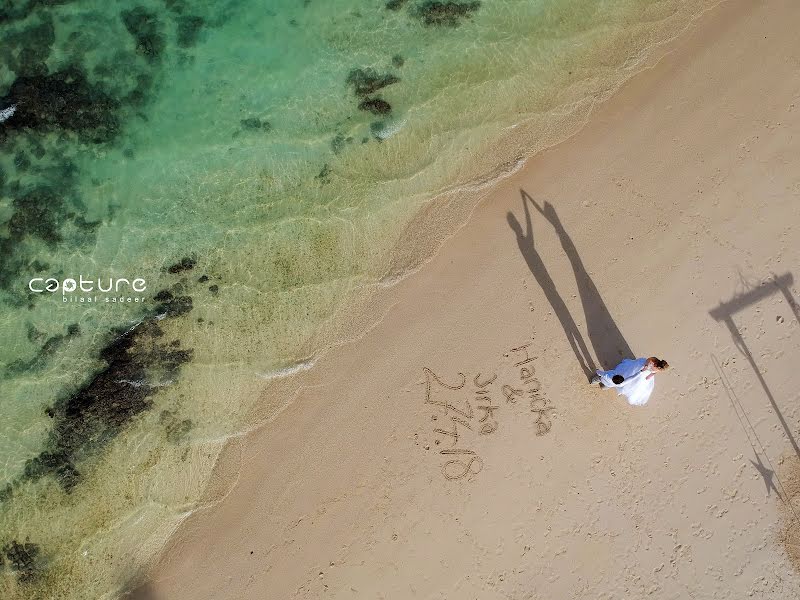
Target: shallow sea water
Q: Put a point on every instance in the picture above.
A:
(256, 163)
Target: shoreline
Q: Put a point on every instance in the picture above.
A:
(635, 92)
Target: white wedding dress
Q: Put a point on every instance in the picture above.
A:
(637, 389)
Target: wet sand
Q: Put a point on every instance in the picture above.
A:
(668, 226)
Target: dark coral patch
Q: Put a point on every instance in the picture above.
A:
(25, 51)
(139, 94)
(175, 6)
(163, 296)
(175, 306)
(87, 420)
(39, 213)
(324, 173)
(339, 141)
(445, 14)
(377, 106)
(395, 4)
(24, 558)
(187, 263)
(145, 28)
(21, 161)
(48, 349)
(366, 81)
(63, 100)
(176, 429)
(189, 29)
(255, 124)
(171, 303)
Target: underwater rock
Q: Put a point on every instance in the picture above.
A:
(187, 263)
(377, 106)
(445, 14)
(23, 559)
(398, 61)
(203, 278)
(366, 81)
(214, 289)
(146, 31)
(189, 29)
(62, 100)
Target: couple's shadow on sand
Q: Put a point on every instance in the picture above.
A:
(605, 337)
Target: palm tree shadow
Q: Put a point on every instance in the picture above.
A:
(539, 271)
(606, 338)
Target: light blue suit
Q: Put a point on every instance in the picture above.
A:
(628, 368)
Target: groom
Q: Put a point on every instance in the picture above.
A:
(628, 368)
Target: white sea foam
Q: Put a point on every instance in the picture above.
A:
(7, 113)
(287, 371)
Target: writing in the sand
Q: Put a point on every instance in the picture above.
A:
(531, 389)
(460, 424)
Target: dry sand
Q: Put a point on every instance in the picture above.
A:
(682, 194)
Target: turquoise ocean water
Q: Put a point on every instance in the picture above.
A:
(239, 172)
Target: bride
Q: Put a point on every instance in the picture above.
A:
(633, 378)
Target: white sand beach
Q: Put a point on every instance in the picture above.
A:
(671, 224)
